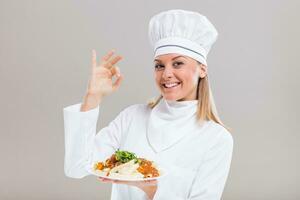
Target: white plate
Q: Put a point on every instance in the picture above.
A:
(125, 178)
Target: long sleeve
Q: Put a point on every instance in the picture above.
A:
(83, 145)
(213, 173)
(80, 130)
(209, 180)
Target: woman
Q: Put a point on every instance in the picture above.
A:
(181, 130)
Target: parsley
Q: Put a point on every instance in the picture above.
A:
(125, 156)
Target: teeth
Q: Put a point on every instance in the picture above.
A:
(169, 85)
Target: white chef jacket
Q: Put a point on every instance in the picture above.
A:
(195, 156)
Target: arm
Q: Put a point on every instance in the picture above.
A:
(212, 175)
(80, 130)
(208, 182)
(80, 120)
(82, 145)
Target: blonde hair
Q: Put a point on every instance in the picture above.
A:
(206, 105)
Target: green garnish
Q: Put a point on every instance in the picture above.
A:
(125, 156)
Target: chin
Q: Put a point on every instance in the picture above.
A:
(172, 98)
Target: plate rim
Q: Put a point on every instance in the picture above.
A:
(93, 172)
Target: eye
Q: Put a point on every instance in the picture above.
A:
(158, 67)
(177, 64)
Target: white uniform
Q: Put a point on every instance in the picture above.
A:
(196, 157)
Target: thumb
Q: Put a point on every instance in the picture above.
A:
(117, 83)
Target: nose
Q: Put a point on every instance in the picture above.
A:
(168, 72)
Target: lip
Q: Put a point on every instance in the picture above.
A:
(170, 88)
(163, 83)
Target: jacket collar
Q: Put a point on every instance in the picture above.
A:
(169, 122)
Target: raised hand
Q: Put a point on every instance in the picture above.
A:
(101, 81)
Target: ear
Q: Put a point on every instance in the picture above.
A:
(202, 71)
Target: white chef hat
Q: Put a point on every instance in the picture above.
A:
(184, 32)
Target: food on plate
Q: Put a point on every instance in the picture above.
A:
(125, 164)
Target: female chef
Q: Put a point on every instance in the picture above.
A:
(180, 131)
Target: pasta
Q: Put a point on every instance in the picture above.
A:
(125, 164)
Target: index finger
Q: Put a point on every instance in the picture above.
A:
(110, 63)
(107, 56)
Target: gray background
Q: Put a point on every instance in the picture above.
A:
(45, 53)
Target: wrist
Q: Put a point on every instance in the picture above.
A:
(150, 191)
(90, 101)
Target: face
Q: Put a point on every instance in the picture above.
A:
(177, 76)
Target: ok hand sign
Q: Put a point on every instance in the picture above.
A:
(101, 80)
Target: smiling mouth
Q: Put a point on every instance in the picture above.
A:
(171, 85)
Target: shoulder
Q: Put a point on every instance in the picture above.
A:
(220, 134)
(135, 110)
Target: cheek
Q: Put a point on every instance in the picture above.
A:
(191, 78)
(196, 78)
(195, 75)
(157, 77)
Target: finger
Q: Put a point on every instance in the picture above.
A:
(94, 58)
(120, 182)
(115, 71)
(107, 56)
(117, 83)
(151, 182)
(118, 72)
(116, 59)
(113, 61)
(105, 180)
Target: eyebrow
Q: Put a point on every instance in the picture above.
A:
(172, 58)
